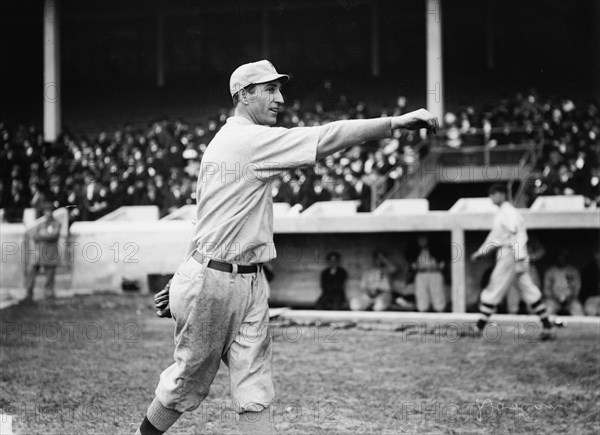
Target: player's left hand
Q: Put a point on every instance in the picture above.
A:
(421, 118)
(161, 302)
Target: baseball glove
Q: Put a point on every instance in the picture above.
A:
(161, 301)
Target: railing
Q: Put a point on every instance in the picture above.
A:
(434, 147)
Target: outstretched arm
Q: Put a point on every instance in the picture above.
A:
(339, 135)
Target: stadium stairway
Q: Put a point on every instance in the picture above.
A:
(417, 183)
(507, 163)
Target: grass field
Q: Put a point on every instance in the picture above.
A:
(89, 365)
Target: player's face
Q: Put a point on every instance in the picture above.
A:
(264, 102)
(497, 198)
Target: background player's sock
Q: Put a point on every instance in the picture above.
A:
(546, 323)
(539, 308)
(158, 419)
(257, 422)
(485, 312)
(481, 323)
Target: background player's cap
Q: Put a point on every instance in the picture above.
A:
(254, 73)
(498, 188)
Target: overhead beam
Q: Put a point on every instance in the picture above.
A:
(435, 79)
(160, 44)
(375, 50)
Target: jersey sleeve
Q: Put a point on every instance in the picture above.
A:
(351, 132)
(493, 239)
(511, 221)
(275, 150)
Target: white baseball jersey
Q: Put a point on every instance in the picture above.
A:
(234, 219)
(508, 231)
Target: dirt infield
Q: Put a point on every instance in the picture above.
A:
(90, 365)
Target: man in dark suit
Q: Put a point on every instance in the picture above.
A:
(333, 282)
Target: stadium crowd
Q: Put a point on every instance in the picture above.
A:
(157, 164)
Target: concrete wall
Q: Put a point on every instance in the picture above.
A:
(12, 261)
(107, 252)
(103, 253)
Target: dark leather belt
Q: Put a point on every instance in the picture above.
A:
(428, 269)
(226, 267)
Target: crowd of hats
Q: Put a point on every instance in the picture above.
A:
(158, 163)
(568, 162)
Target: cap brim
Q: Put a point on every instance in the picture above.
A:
(272, 77)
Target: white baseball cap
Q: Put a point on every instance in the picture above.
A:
(254, 73)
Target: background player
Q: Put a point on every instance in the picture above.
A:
(47, 253)
(509, 238)
(217, 295)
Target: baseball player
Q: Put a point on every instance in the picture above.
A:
(429, 281)
(509, 238)
(47, 253)
(217, 296)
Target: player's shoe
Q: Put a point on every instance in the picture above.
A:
(472, 331)
(403, 303)
(559, 323)
(547, 334)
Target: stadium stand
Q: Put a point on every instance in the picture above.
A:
(156, 164)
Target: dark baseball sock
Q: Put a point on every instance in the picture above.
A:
(485, 312)
(146, 428)
(482, 323)
(158, 419)
(539, 308)
(546, 323)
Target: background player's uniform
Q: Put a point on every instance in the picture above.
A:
(47, 255)
(429, 283)
(376, 291)
(562, 286)
(509, 236)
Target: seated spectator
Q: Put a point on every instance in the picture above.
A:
(427, 264)
(590, 287)
(333, 283)
(562, 284)
(376, 289)
(281, 191)
(564, 184)
(403, 288)
(312, 191)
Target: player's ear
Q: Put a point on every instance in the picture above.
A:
(249, 94)
(244, 96)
